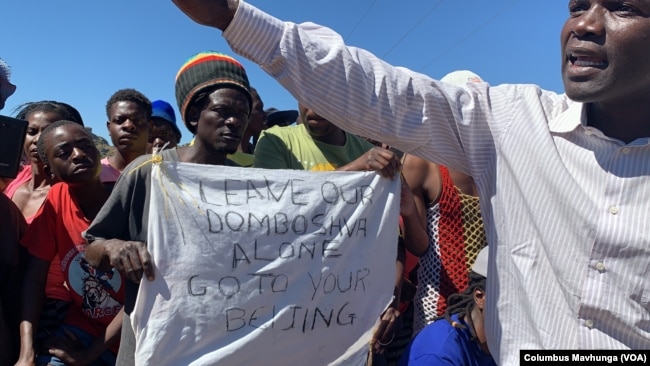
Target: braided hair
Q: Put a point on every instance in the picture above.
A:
(63, 111)
(463, 303)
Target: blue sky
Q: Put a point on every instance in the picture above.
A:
(80, 52)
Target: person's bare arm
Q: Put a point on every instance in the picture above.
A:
(32, 297)
(390, 322)
(131, 258)
(416, 173)
(212, 13)
(383, 161)
(70, 351)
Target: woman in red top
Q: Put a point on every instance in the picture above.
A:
(30, 187)
(91, 328)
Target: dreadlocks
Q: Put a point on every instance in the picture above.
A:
(463, 303)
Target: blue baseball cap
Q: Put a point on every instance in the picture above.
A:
(164, 110)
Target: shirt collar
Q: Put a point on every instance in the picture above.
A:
(575, 116)
(570, 119)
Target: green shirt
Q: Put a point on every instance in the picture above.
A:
(292, 147)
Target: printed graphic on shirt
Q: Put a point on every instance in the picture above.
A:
(322, 167)
(97, 289)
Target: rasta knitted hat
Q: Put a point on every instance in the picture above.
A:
(205, 70)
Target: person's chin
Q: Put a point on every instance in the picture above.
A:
(582, 93)
(585, 88)
(86, 174)
(123, 147)
(224, 149)
(72, 179)
(130, 148)
(229, 150)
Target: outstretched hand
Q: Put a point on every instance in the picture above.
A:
(213, 13)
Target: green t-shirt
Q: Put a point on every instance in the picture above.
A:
(292, 147)
(241, 159)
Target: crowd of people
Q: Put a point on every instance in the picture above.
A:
(555, 183)
(68, 192)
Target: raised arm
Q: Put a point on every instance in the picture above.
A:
(348, 86)
(217, 13)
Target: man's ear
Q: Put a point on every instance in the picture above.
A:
(193, 115)
(479, 298)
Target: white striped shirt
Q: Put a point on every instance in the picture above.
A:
(566, 209)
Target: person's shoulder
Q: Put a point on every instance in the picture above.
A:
(25, 171)
(58, 189)
(436, 345)
(359, 141)
(240, 159)
(418, 171)
(58, 197)
(24, 175)
(280, 139)
(438, 335)
(143, 163)
(412, 161)
(284, 131)
(170, 155)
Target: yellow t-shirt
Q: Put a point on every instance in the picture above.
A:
(292, 147)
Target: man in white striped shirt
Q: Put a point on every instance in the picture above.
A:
(564, 180)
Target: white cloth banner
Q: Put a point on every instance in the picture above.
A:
(265, 267)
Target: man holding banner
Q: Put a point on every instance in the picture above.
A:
(243, 268)
(214, 100)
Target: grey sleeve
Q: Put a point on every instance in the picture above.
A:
(125, 214)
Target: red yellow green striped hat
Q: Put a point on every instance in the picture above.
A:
(204, 70)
